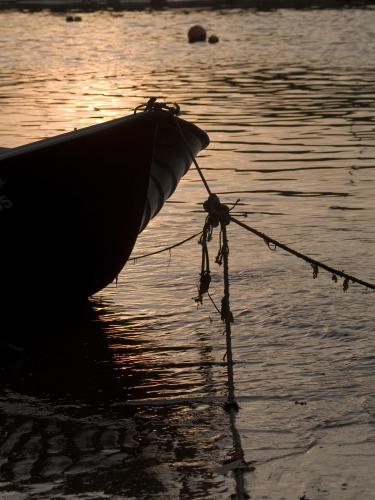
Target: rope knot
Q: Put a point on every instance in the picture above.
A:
(218, 213)
(152, 105)
(205, 274)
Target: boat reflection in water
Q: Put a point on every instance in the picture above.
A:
(75, 415)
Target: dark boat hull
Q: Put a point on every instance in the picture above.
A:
(72, 206)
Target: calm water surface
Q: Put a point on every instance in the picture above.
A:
(125, 401)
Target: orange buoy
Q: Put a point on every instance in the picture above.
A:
(197, 34)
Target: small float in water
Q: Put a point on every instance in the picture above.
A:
(72, 206)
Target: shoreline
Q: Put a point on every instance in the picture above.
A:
(123, 5)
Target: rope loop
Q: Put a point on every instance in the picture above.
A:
(206, 232)
(270, 245)
(205, 274)
(204, 285)
(315, 268)
(151, 106)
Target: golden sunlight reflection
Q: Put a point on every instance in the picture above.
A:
(160, 370)
(127, 399)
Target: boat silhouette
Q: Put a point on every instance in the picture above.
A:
(72, 206)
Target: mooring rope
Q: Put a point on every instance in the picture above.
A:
(231, 405)
(174, 110)
(166, 249)
(151, 106)
(219, 215)
(200, 172)
(276, 244)
(315, 264)
(205, 274)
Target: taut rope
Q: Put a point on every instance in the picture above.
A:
(219, 215)
(315, 264)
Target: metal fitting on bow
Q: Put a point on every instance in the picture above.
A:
(152, 105)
